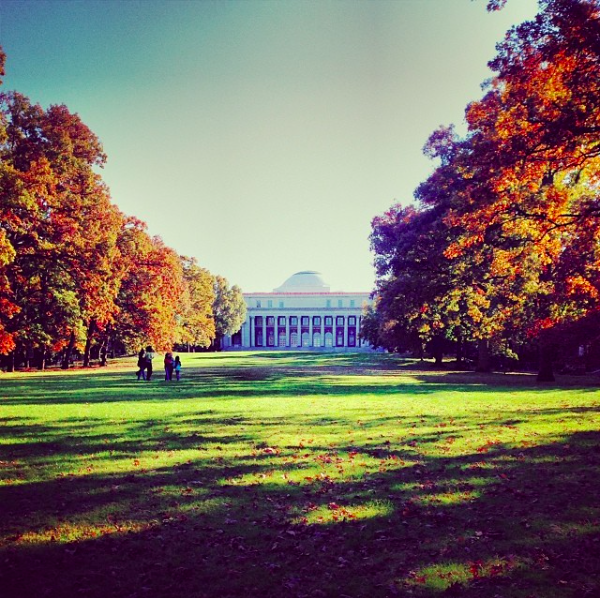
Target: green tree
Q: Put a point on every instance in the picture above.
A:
(229, 309)
(196, 322)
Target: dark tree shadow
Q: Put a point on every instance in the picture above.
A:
(525, 521)
(510, 522)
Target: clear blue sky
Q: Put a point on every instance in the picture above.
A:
(260, 137)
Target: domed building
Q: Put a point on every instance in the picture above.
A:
(302, 313)
(308, 281)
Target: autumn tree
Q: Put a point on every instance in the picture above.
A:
(75, 273)
(37, 285)
(423, 298)
(409, 313)
(489, 299)
(515, 202)
(61, 223)
(84, 207)
(7, 251)
(151, 290)
(71, 265)
(8, 305)
(534, 166)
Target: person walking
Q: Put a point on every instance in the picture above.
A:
(177, 367)
(141, 363)
(149, 357)
(169, 363)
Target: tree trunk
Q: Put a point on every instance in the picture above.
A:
(545, 372)
(29, 356)
(88, 343)
(217, 342)
(104, 346)
(103, 353)
(67, 356)
(437, 349)
(43, 356)
(11, 361)
(459, 349)
(484, 361)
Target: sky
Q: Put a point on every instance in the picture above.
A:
(260, 137)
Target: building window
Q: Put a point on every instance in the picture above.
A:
(258, 304)
(351, 302)
(305, 339)
(351, 337)
(339, 321)
(328, 321)
(328, 339)
(328, 303)
(269, 303)
(352, 321)
(270, 338)
(293, 321)
(340, 302)
(317, 321)
(281, 305)
(305, 321)
(281, 320)
(258, 321)
(339, 337)
(294, 339)
(270, 320)
(282, 339)
(317, 339)
(258, 338)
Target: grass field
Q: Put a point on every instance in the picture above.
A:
(298, 475)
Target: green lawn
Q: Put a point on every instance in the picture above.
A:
(298, 475)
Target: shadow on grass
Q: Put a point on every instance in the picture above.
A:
(222, 513)
(272, 375)
(512, 522)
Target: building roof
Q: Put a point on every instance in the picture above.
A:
(307, 281)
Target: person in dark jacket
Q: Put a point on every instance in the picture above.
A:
(141, 363)
(169, 364)
(149, 357)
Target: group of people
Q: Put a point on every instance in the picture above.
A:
(145, 358)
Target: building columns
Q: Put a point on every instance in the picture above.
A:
(346, 331)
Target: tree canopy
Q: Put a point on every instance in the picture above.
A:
(75, 272)
(229, 309)
(504, 239)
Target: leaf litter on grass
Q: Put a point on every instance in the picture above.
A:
(390, 486)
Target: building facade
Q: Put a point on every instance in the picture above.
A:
(302, 313)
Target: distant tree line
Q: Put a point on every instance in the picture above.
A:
(502, 249)
(77, 276)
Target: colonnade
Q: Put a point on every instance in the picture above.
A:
(301, 331)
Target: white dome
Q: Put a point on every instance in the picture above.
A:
(308, 281)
